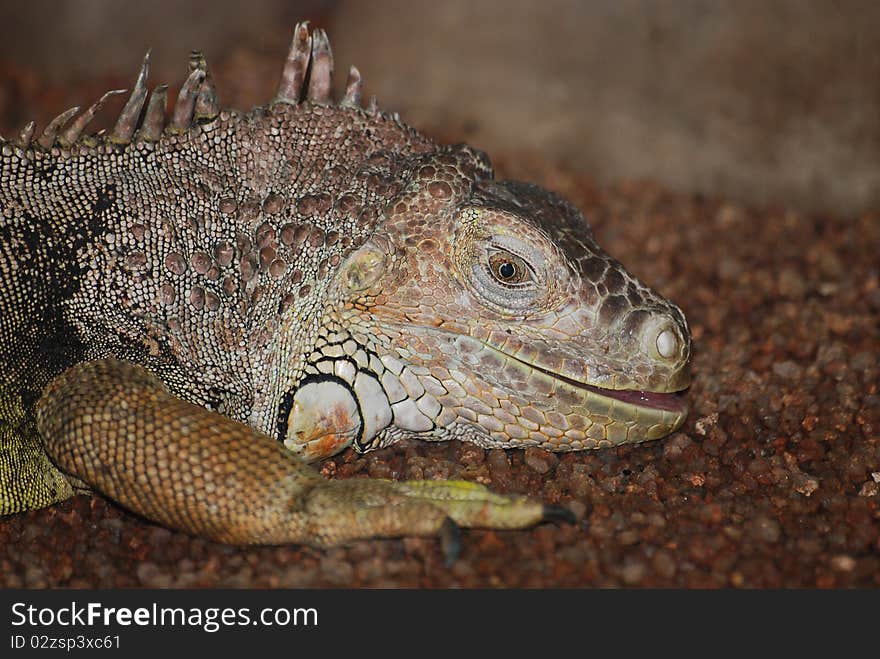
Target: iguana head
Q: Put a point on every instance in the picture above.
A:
(492, 315)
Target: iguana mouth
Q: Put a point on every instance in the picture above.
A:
(673, 401)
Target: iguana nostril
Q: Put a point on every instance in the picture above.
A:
(655, 331)
(667, 344)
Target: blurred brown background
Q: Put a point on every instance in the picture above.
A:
(765, 103)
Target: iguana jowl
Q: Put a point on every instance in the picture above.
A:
(190, 312)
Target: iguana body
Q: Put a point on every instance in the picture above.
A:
(183, 303)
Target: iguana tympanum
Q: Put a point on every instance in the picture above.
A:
(192, 310)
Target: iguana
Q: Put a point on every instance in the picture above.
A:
(193, 308)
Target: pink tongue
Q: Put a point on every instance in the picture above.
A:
(671, 402)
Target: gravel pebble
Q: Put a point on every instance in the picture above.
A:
(787, 370)
(664, 564)
(578, 508)
(633, 572)
(766, 529)
(540, 460)
(869, 489)
(843, 563)
(152, 575)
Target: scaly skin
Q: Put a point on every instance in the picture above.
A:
(181, 302)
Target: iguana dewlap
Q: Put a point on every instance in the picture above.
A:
(193, 309)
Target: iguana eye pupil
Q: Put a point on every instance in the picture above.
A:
(508, 269)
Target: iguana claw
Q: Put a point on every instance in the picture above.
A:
(450, 541)
(557, 514)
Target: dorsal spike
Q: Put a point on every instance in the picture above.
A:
(47, 139)
(293, 76)
(373, 106)
(74, 131)
(128, 118)
(181, 119)
(207, 106)
(154, 118)
(197, 60)
(25, 136)
(353, 89)
(321, 69)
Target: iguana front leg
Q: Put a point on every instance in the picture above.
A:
(115, 426)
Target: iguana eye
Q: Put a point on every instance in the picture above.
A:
(508, 268)
(507, 273)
